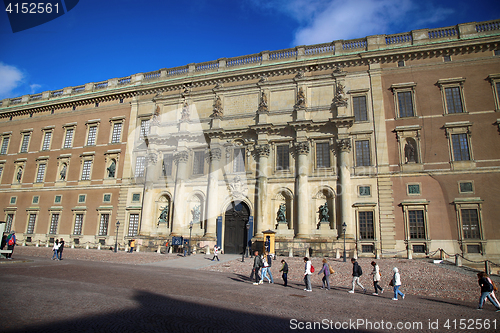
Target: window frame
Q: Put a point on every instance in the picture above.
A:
(25, 144)
(140, 166)
(135, 226)
(116, 138)
(4, 148)
(411, 206)
(81, 223)
(69, 136)
(237, 151)
(495, 86)
(41, 169)
(90, 125)
(328, 156)
(356, 161)
(284, 158)
(100, 232)
(398, 88)
(53, 229)
(145, 125)
(198, 162)
(169, 158)
(446, 84)
(86, 168)
(356, 97)
(470, 203)
(463, 127)
(47, 138)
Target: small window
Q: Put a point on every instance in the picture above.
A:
(239, 160)
(413, 189)
(367, 248)
(136, 197)
(103, 225)
(106, 198)
(401, 63)
(35, 199)
(322, 155)
(497, 52)
(446, 58)
(474, 248)
(366, 228)
(82, 198)
(25, 143)
(363, 153)
(364, 191)
(96, 104)
(418, 248)
(167, 164)
(76, 241)
(5, 145)
(466, 187)
(359, 108)
(13, 200)
(282, 157)
(198, 163)
(57, 199)
(133, 225)
(121, 100)
(140, 165)
(405, 103)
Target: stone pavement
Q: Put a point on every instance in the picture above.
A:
(81, 295)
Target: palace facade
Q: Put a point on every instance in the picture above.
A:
(390, 143)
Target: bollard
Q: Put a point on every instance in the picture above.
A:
(99, 246)
(409, 253)
(87, 246)
(170, 250)
(441, 254)
(337, 253)
(207, 252)
(159, 249)
(458, 260)
(290, 252)
(73, 245)
(137, 248)
(487, 267)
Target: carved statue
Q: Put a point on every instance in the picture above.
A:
(217, 112)
(185, 112)
(282, 214)
(263, 102)
(19, 174)
(163, 215)
(196, 214)
(409, 153)
(301, 98)
(323, 213)
(111, 169)
(62, 174)
(339, 98)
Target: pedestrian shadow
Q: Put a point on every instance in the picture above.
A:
(443, 301)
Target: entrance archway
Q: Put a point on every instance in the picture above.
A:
(235, 227)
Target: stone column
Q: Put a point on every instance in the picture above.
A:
(345, 187)
(302, 151)
(147, 222)
(180, 158)
(212, 191)
(261, 219)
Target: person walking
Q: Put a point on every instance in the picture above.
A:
(61, 248)
(11, 243)
(326, 275)
(132, 245)
(307, 274)
(257, 264)
(270, 263)
(55, 248)
(376, 278)
(486, 290)
(216, 253)
(284, 269)
(356, 274)
(396, 281)
(494, 288)
(265, 269)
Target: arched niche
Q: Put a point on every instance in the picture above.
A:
(325, 195)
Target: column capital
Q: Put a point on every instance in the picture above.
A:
(302, 148)
(262, 150)
(214, 154)
(344, 145)
(181, 156)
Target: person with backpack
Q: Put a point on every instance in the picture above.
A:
(55, 248)
(356, 274)
(308, 270)
(61, 248)
(265, 269)
(326, 275)
(486, 290)
(376, 279)
(11, 243)
(257, 264)
(270, 263)
(284, 275)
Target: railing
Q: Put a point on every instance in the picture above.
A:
(319, 49)
(240, 61)
(206, 66)
(125, 80)
(16, 100)
(354, 44)
(488, 26)
(35, 97)
(441, 33)
(78, 89)
(283, 54)
(398, 39)
(177, 71)
(57, 93)
(101, 85)
(152, 75)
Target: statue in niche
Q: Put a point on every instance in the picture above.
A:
(301, 98)
(19, 174)
(163, 215)
(62, 174)
(217, 112)
(196, 214)
(281, 214)
(185, 112)
(263, 102)
(340, 99)
(323, 213)
(111, 169)
(409, 153)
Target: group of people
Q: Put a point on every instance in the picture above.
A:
(10, 241)
(265, 262)
(58, 249)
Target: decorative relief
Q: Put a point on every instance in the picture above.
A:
(262, 150)
(156, 117)
(263, 103)
(323, 213)
(263, 79)
(300, 74)
(185, 112)
(163, 218)
(215, 154)
(181, 157)
(301, 99)
(218, 112)
(340, 100)
(302, 148)
(338, 70)
(344, 145)
(281, 216)
(237, 188)
(152, 158)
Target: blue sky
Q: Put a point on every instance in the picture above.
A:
(99, 40)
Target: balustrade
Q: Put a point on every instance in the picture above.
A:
(488, 26)
(398, 39)
(125, 80)
(152, 75)
(441, 33)
(35, 97)
(177, 71)
(354, 44)
(101, 85)
(206, 66)
(79, 89)
(283, 54)
(319, 49)
(240, 61)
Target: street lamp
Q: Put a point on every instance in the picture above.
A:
(116, 235)
(190, 230)
(245, 228)
(344, 226)
(247, 240)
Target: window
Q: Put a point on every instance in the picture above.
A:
(470, 224)
(282, 157)
(404, 99)
(57, 199)
(239, 160)
(82, 198)
(53, 224)
(418, 248)
(5, 145)
(460, 147)
(35, 199)
(446, 58)
(68, 138)
(77, 230)
(103, 225)
(362, 153)
(117, 132)
(1, 170)
(359, 108)
(497, 52)
(401, 63)
(46, 140)
(413, 189)
(91, 136)
(495, 85)
(87, 166)
(106, 198)
(198, 163)
(465, 187)
(40, 175)
(136, 197)
(416, 224)
(25, 143)
(452, 94)
(167, 164)
(364, 191)
(31, 224)
(8, 224)
(133, 225)
(145, 127)
(453, 100)
(366, 229)
(322, 155)
(13, 200)
(140, 164)
(367, 248)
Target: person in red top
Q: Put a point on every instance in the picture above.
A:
(11, 243)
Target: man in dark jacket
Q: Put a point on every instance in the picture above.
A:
(257, 264)
(486, 290)
(60, 250)
(356, 273)
(284, 269)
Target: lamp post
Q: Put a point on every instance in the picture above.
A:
(245, 229)
(116, 235)
(190, 230)
(344, 226)
(247, 240)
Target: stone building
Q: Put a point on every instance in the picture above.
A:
(389, 142)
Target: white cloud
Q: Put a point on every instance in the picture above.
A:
(10, 79)
(34, 87)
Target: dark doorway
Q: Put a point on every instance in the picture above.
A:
(235, 227)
